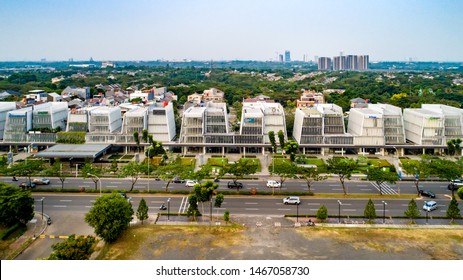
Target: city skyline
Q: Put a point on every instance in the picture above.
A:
(230, 30)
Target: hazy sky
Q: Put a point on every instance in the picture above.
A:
(424, 30)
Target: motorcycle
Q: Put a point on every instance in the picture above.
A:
(310, 223)
(216, 180)
(163, 207)
(14, 179)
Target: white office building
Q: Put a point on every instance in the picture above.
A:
(424, 127)
(453, 116)
(105, 120)
(51, 115)
(135, 120)
(321, 129)
(366, 126)
(5, 107)
(258, 119)
(161, 121)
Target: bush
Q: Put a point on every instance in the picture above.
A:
(322, 213)
(460, 193)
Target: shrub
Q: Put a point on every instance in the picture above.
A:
(322, 213)
(460, 193)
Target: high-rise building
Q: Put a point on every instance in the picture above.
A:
(363, 61)
(324, 63)
(287, 56)
(280, 58)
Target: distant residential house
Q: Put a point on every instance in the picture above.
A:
(358, 103)
(83, 93)
(54, 97)
(4, 94)
(309, 98)
(208, 95)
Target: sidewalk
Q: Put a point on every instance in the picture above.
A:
(35, 228)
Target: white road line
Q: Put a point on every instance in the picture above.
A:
(251, 203)
(313, 203)
(365, 189)
(60, 206)
(86, 206)
(283, 209)
(65, 200)
(336, 189)
(158, 201)
(313, 209)
(252, 209)
(118, 182)
(349, 210)
(252, 184)
(346, 204)
(362, 185)
(112, 187)
(334, 185)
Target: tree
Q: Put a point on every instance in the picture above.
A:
(201, 174)
(445, 169)
(379, 176)
(114, 166)
(284, 169)
(142, 211)
(226, 216)
(271, 137)
(454, 146)
(171, 170)
(370, 211)
(322, 213)
(73, 248)
(56, 170)
(204, 193)
(155, 149)
(420, 169)
(240, 169)
(26, 168)
(412, 211)
(136, 138)
(281, 139)
(110, 215)
(291, 148)
(343, 167)
(133, 170)
(453, 212)
(310, 175)
(88, 169)
(16, 206)
(192, 210)
(144, 135)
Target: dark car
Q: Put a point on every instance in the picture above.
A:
(455, 184)
(237, 185)
(178, 180)
(27, 185)
(427, 193)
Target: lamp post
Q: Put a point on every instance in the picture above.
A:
(77, 169)
(42, 205)
(168, 208)
(339, 211)
(97, 179)
(149, 174)
(426, 214)
(384, 211)
(297, 212)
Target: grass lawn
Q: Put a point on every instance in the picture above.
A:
(188, 161)
(217, 161)
(253, 160)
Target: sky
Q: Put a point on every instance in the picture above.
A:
(386, 30)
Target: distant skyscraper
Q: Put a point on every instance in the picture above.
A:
(363, 61)
(324, 63)
(280, 57)
(287, 56)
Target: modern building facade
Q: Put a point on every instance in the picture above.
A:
(324, 63)
(5, 107)
(161, 121)
(424, 127)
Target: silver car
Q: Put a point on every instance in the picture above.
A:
(430, 205)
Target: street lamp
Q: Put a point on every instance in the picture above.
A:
(297, 212)
(41, 200)
(168, 208)
(339, 211)
(149, 174)
(384, 211)
(97, 179)
(426, 214)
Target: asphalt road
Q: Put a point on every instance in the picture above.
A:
(328, 186)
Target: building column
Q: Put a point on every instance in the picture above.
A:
(244, 150)
(204, 150)
(263, 151)
(223, 151)
(382, 151)
(424, 151)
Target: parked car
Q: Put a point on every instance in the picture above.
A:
(191, 183)
(427, 193)
(178, 180)
(27, 185)
(455, 184)
(273, 184)
(430, 205)
(41, 181)
(291, 200)
(237, 185)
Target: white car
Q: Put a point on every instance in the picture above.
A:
(273, 184)
(41, 181)
(430, 205)
(191, 183)
(291, 200)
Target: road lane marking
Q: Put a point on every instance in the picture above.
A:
(86, 206)
(336, 189)
(251, 203)
(349, 210)
(313, 203)
(334, 185)
(252, 209)
(365, 189)
(362, 185)
(65, 200)
(252, 184)
(60, 206)
(283, 209)
(111, 187)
